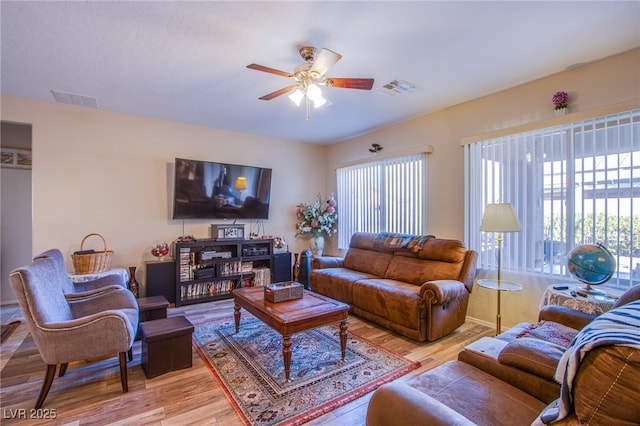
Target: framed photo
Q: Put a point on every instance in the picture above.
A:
(227, 232)
(15, 158)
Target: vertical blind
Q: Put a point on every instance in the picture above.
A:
(572, 184)
(382, 196)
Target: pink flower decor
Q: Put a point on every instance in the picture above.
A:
(560, 100)
(319, 218)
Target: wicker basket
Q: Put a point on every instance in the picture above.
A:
(92, 263)
(281, 292)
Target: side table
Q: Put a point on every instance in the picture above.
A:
(499, 286)
(573, 298)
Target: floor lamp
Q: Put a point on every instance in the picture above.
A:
(499, 218)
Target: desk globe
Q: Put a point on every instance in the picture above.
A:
(592, 264)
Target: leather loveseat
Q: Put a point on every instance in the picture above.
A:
(599, 377)
(416, 286)
(529, 353)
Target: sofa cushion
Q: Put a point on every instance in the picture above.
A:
(418, 271)
(367, 261)
(437, 260)
(336, 283)
(478, 396)
(441, 250)
(532, 355)
(396, 301)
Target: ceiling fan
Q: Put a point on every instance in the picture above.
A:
(310, 76)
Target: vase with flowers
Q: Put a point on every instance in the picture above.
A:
(318, 220)
(561, 102)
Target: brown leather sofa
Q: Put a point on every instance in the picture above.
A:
(530, 352)
(418, 287)
(604, 391)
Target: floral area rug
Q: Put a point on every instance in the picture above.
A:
(250, 369)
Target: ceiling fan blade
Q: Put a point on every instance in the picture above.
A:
(269, 70)
(325, 59)
(277, 93)
(350, 83)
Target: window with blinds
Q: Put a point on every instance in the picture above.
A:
(382, 196)
(573, 184)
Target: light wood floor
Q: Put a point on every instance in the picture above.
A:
(90, 393)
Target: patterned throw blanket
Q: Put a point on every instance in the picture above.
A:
(620, 326)
(393, 241)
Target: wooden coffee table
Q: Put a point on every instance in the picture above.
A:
(293, 316)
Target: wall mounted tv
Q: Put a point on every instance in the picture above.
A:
(209, 190)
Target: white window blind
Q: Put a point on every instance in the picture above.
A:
(572, 184)
(382, 196)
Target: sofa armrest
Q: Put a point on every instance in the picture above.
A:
(565, 316)
(534, 356)
(323, 262)
(397, 403)
(437, 292)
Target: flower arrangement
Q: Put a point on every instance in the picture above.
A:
(318, 218)
(560, 100)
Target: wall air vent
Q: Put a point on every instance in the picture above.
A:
(75, 99)
(396, 87)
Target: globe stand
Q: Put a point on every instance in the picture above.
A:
(591, 264)
(592, 291)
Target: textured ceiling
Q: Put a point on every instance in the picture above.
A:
(186, 61)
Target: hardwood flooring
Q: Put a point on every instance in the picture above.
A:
(90, 392)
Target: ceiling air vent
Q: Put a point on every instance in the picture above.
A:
(396, 87)
(75, 99)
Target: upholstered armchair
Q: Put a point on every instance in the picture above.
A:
(70, 288)
(66, 330)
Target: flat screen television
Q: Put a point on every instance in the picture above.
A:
(210, 190)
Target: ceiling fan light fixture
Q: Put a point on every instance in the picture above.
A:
(319, 101)
(313, 92)
(296, 97)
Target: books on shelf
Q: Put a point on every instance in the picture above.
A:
(262, 277)
(206, 269)
(205, 289)
(185, 264)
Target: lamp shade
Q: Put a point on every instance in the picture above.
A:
(241, 183)
(500, 217)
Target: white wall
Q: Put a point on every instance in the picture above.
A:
(609, 81)
(96, 171)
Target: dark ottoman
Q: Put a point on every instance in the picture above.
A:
(166, 345)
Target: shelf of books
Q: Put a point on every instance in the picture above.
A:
(209, 270)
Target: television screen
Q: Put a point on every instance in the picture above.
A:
(209, 190)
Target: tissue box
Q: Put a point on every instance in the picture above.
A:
(280, 292)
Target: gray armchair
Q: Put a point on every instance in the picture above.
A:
(64, 330)
(72, 289)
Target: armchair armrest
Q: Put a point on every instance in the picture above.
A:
(323, 262)
(91, 293)
(118, 299)
(438, 292)
(85, 337)
(397, 403)
(565, 316)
